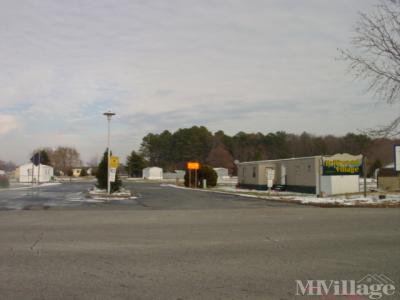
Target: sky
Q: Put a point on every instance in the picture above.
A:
(232, 65)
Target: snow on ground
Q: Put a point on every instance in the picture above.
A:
(101, 195)
(341, 200)
(372, 199)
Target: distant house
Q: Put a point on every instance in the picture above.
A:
(30, 173)
(180, 174)
(153, 173)
(177, 174)
(76, 172)
(169, 175)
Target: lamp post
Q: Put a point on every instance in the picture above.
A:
(109, 115)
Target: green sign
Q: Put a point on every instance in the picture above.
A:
(341, 167)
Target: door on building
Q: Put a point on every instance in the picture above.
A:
(283, 175)
(270, 173)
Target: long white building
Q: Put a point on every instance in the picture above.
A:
(321, 175)
(29, 173)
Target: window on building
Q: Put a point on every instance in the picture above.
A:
(254, 172)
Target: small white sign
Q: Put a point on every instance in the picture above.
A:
(113, 173)
(397, 157)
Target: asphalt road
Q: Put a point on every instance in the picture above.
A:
(179, 244)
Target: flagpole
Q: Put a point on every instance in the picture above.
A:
(39, 169)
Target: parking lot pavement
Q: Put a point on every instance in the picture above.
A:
(61, 195)
(72, 195)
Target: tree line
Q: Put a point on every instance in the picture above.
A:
(171, 150)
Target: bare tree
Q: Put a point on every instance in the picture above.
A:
(7, 166)
(65, 158)
(219, 156)
(375, 57)
(93, 162)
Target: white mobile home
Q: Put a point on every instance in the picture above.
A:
(153, 173)
(321, 175)
(222, 174)
(29, 173)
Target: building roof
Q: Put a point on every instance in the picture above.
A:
(275, 160)
(334, 156)
(391, 165)
(30, 165)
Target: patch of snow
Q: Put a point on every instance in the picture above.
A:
(100, 194)
(342, 200)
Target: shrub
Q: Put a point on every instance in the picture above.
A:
(206, 172)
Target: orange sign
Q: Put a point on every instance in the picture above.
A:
(193, 165)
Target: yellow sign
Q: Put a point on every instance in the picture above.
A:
(114, 161)
(193, 165)
(342, 164)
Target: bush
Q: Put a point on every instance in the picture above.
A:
(4, 183)
(70, 173)
(206, 172)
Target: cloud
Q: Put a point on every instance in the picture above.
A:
(7, 124)
(230, 65)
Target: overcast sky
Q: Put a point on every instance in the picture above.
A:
(231, 65)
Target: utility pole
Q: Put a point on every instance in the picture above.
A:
(364, 169)
(39, 169)
(109, 115)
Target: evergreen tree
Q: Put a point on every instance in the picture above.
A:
(44, 158)
(135, 164)
(101, 176)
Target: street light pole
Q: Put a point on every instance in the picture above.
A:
(109, 115)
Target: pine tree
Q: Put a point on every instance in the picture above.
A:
(102, 176)
(135, 164)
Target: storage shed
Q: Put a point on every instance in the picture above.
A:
(321, 175)
(153, 173)
(29, 173)
(222, 173)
